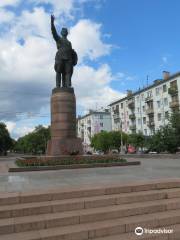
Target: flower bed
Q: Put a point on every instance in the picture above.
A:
(68, 160)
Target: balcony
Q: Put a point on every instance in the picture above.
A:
(116, 116)
(149, 99)
(131, 103)
(151, 124)
(89, 129)
(150, 111)
(132, 116)
(89, 122)
(174, 104)
(132, 127)
(173, 90)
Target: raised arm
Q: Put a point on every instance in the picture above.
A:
(53, 29)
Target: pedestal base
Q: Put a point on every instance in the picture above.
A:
(66, 146)
(63, 124)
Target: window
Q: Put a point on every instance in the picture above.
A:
(145, 131)
(137, 99)
(149, 94)
(158, 104)
(166, 115)
(121, 105)
(164, 88)
(173, 84)
(116, 110)
(165, 101)
(101, 116)
(157, 91)
(101, 124)
(139, 121)
(143, 108)
(142, 96)
(144, 120)
(138, 109)
(116, 120)
(159, 116)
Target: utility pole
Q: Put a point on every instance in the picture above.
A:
(147, 80)
(121, 137)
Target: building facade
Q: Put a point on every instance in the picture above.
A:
(148, 109)
(92, 123)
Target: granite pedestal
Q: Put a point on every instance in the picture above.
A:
(63, 124)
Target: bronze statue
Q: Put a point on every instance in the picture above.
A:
(66, 58)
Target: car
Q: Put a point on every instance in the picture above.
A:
(131, 149)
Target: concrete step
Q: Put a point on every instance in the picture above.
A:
(97, 230)
(36, 208)
(42, 196)
(45, 221)
(147, 236)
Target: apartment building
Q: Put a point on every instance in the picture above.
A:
(92, 123)
(147, 109)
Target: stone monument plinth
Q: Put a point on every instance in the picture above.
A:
(63, 124)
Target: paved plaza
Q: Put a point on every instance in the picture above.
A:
(149, 169)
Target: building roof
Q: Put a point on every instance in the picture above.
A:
(94, 112)
(157, 82)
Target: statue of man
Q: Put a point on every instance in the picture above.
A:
(65, 58)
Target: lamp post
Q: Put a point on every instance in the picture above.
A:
(121, 137)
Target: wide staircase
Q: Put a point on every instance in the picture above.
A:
(106, 213)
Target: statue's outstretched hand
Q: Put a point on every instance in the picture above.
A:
(52, 18)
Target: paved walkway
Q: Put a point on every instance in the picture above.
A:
(149, 169)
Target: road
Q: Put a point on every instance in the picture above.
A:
(149, 169)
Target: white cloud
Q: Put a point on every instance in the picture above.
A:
(21, 131)
(86, 37)
(66, 8)
(10, 125)
(4, 3)
(92, 86)
(27, 74)
(60, 7)
(6, 16)
(35, 23)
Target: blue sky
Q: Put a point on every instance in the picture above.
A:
(148, 35)
(119, 43)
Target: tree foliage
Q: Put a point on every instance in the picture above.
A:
(167, 138)
(6, 142)
(104, 141)
(34, 142)
(137, 140)
(164, 139)
(175, 124)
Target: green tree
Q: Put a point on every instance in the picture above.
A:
(34, 142)
(104, 141)
(101, 141)
(137, 140)
(6, 142)
(164, 139)
(115, 139)
(175, 123)
(167, 138)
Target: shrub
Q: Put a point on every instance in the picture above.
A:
(68, 161)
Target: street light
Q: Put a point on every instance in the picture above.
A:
(121, 137)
